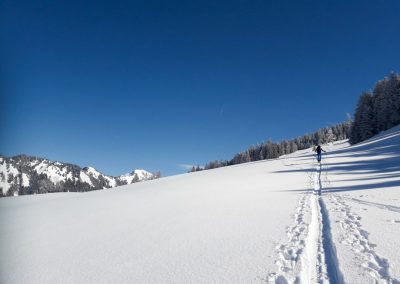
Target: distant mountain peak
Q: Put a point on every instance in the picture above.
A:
(23, 174)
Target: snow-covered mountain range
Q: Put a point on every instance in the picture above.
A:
(23, 174)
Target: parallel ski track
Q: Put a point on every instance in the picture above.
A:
(378, 205)
(309, 255)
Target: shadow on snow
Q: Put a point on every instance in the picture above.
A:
(385, 147)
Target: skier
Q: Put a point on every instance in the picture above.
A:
(319, 151)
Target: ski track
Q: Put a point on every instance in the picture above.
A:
(303, 258)
(288, 262)
(333, 273)
(309, 254)
(357, 239)
(313, 261)
(329, 271)
(378, 205)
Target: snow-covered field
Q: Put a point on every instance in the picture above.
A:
(281, 221)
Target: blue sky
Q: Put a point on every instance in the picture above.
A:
(120, 85)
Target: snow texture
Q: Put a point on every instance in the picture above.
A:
(93, 172)
(287, 220)
(6, 170)
(85, 178)
(25, 180)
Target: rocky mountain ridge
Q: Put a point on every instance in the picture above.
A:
(22, 174)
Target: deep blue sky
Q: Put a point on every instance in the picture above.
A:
(154, 84)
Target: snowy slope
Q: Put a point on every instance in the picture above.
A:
(277, 221)
(363, 199)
